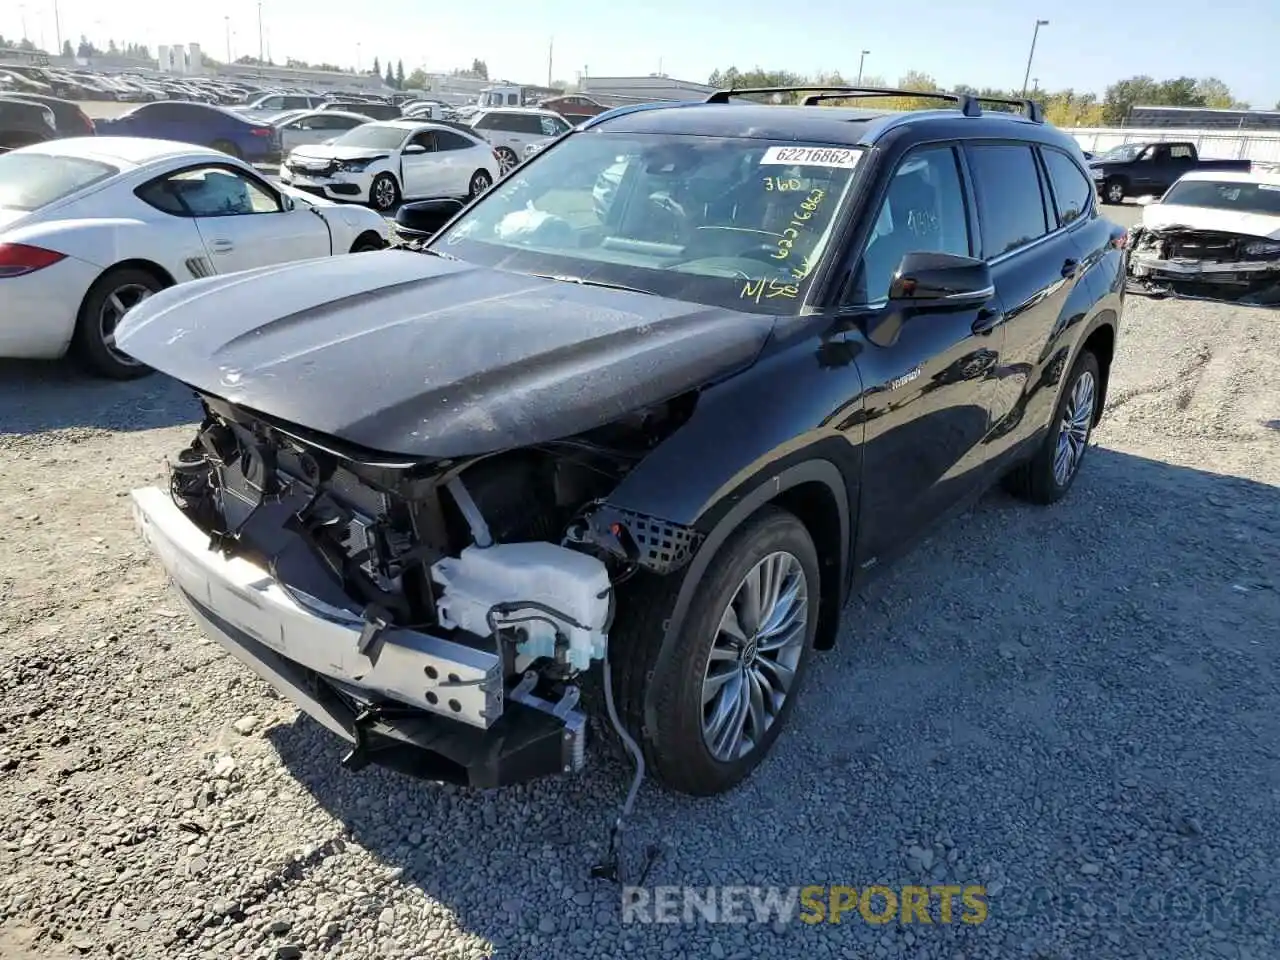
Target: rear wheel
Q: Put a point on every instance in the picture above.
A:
(227, 147)
(725, 689)
(1048, 475)
(108, 300)
(506, 158)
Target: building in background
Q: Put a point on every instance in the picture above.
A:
(616, 91)
(180, 58)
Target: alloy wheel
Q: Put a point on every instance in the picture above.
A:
(754, 656)
(1074, 429)
(1115, 192)
(117, 303)
(384, 194)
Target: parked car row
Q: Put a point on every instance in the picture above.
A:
(90, 227)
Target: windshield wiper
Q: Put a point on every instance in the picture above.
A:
(583, 281)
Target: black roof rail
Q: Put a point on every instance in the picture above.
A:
(1028, 108)
(967, 104)
(970, 104)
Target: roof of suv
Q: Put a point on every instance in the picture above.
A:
(823, 124)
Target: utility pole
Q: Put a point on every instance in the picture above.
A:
(23, 10)
(227, 21)
(861, 60)
(261, 48)
(551, 48)
(57, 27)
(1032, 54)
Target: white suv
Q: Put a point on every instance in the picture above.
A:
(512, 130)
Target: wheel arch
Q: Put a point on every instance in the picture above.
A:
(364, 235)
(137, 263)
(816, 492)
(1101, 342)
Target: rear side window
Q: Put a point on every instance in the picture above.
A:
(1011, 208)
(1071, 189)
(1180, 151)
(447, 140)
(29, 181)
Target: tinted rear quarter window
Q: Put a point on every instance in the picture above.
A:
(29, 181)
(1010, 202)
(447, 140)
(1071, 189)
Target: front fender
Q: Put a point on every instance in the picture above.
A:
(762, 491)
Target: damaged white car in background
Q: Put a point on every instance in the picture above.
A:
(1211, 233)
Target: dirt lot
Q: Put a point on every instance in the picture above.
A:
(1078, 708)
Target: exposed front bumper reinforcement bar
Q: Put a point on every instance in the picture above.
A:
(1148, 265)
(424, 705)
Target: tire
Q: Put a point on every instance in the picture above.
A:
(678, 751)
(1113, 191)
(227, 147)
(506, 158)
(480, 182)
(368, 242)
(1038, 480)
(92, 342)
(384, 192)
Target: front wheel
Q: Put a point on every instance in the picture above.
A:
(104, 306)
(1048, 475)
(1113, 191)
(480, 182)
(722, 694)
(367, 243)
(384, 192)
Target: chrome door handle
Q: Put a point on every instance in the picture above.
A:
(222, 246)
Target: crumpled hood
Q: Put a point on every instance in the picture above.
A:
(1161, 215)
(407, 353)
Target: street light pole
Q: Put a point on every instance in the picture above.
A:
(1031, 55)
(861, 60)
(260, 47)
(57, 27)
(227, 21)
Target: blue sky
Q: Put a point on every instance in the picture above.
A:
(982, 44)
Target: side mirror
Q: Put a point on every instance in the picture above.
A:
(423, 220)
(941, 281)
(414, 149)
(286, 202)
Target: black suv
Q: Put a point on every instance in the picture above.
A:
(632, 424)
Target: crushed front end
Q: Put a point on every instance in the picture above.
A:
(1203, 262)
(437, 614)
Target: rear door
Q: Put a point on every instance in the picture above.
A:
(1036, 265)
(457, 161)
(242, 221)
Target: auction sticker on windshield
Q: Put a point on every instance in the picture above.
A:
(812, 156)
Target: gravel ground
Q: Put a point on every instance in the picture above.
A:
(1068, 706)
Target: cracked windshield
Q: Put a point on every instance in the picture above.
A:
(733, 222)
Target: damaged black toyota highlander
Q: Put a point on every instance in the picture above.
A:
(626, 431)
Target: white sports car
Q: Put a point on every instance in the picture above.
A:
(90, 226)
(383, 163)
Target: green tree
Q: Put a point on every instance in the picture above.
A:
(377, 66)
(1123, 95)
(390, 78)
(480, 69)
(399, 74)
(67, 51)
(417, 80)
